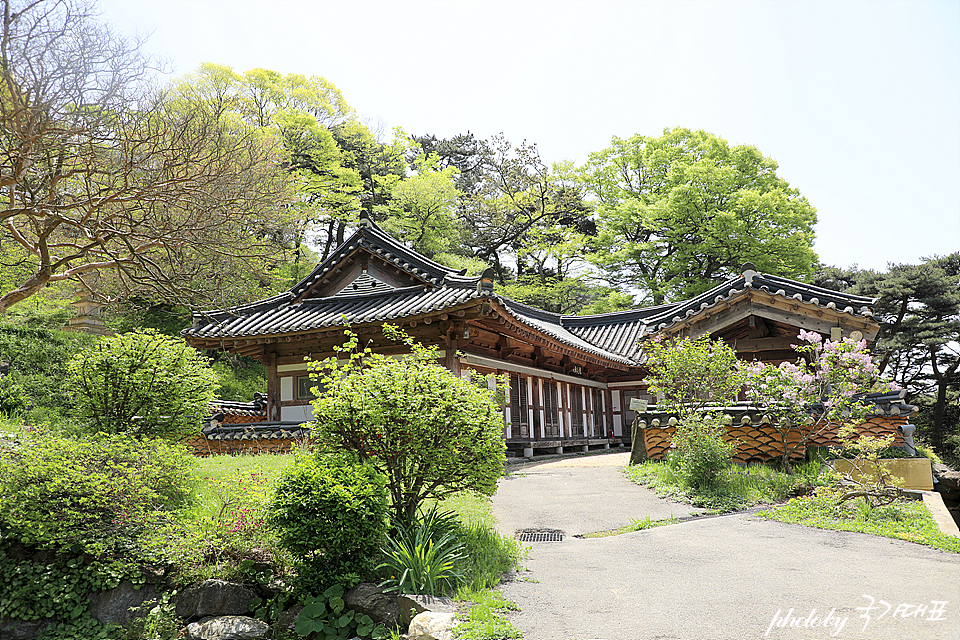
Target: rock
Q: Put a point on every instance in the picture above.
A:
(411, 605)
(431, 625)
(228, 628)
(21, 629)
(288, 618)
(120, 605)
(370, 599)
(214, 598)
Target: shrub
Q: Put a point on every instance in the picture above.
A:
(95, 495)
(13, 399)
(142, 383)
(701, 453)
(331, 515)
(428, 431)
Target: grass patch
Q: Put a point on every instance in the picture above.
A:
(488, 555)
(908, 520)
(485, 616)
(738, 486)
(211, 469)
(637, 524)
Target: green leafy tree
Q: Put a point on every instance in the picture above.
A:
(300, 114)
(380, 165)
(142, 383)
(681, 212)
(428, 431)
(687, 376)
(422, 212)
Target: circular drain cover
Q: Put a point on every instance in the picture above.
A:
(539, 535)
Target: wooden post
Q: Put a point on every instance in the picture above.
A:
(273, 388)
(450, 361)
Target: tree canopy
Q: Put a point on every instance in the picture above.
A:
(100, 173)
(679, 213)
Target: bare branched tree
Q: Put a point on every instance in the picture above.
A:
(100, 173)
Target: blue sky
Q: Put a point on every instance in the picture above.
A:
(858, 102)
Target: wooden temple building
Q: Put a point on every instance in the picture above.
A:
(571, 377)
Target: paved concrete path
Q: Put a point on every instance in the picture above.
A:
(727, 578)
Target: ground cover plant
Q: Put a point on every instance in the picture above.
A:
(735, 488)
(905, 520)
(485, 618)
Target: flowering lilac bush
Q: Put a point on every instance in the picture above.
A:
(822, 389)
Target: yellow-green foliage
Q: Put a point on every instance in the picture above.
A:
(142, 383)
(428, 431)
(97, 494)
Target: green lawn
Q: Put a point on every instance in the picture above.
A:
(907, 520)
(743, 486)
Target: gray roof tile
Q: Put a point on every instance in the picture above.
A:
(615, 336)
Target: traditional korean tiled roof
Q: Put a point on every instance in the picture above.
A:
(379, 244)
(284, 316)
(295, 312)
(615, 336)
(554, 324)
(774, 285)
(618, 332)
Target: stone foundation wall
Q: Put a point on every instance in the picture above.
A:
(761, 442)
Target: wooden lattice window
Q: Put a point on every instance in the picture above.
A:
(599, 424)
(551, 412)
(519, 409)
(576, 412)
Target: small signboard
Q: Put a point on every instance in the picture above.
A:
(638, 404)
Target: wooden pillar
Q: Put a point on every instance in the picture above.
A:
(563, 409)
(450, 361)
(536, 426)
(608, 400)
(273, 388)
